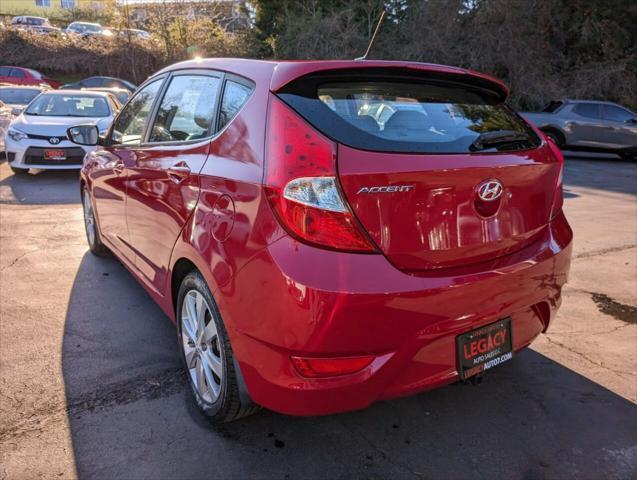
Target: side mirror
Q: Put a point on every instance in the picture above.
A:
(87, 135)
(632, 120)
(15, 111)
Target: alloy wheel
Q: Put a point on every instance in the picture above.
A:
(202, 350)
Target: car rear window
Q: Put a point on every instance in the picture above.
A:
(409, 116)
(35, 74)
(552, 106)
(18, 96)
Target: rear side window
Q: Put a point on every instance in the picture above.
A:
(588, 110)
(552, 106)
(405, 116)
(616, 114)
(187, 110)
(4, 71)
(234, 96)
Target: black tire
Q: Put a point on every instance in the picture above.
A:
(19, 171)
(556, 137)
(95, 244)
(228, 405)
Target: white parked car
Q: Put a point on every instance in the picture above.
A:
(37, 138)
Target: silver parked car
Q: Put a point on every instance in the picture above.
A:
(13, 99)
(588, 125)
(86, 29)
(28, 22)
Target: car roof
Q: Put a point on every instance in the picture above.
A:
(571, 100)
(73, 91)
(284, 71)
(101, 76)
(25, 87)
(105, 89)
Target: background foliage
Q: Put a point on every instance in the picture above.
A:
(544, 49)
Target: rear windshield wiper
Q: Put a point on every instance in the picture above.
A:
(499, 137)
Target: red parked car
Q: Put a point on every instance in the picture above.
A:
(328, 234)
(25, 76)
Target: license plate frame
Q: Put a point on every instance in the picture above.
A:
(55, 154)
(472, 348)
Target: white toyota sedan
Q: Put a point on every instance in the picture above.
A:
(37, 138)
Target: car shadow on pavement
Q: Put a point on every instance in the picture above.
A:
(42, 187)
(131, 414)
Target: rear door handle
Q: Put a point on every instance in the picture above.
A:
(178, 172)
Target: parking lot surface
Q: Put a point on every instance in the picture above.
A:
(91, 385)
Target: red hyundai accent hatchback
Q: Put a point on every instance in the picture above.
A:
(327, 234)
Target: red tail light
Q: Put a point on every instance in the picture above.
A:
(302, 187)
(558, 199)
(330, 367)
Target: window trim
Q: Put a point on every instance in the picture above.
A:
(213, 132)
(160, 97)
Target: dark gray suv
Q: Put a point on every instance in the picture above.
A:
(589, 125)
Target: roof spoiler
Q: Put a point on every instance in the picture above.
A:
(287, 72)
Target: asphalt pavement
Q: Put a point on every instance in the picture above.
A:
(91, 385)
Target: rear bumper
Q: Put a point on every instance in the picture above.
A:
(293, 299)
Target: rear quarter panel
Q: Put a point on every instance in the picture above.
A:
(232, 220)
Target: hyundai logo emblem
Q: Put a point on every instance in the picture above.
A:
(54, 140)
(489, 190)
